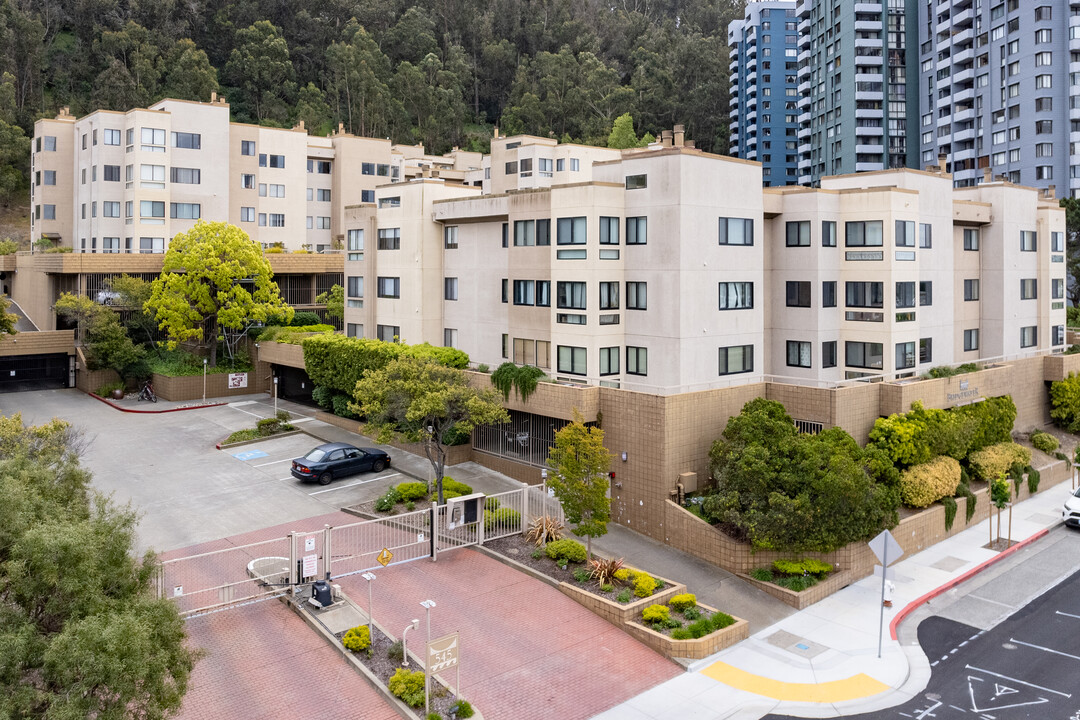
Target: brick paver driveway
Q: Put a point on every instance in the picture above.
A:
(527, 650)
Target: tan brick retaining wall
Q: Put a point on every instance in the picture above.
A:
(615, 612)
(693, 649)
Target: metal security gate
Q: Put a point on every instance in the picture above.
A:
(20, 373)
(357, 547)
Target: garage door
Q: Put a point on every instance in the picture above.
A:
(19, 373)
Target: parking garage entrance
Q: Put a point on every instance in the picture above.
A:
(21, 373)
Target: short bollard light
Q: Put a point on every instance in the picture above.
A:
(369, 576)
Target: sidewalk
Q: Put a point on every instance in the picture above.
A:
(823, 661)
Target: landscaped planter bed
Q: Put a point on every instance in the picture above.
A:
(692, 648)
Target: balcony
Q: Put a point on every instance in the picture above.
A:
(963, 135)
(868, 7)
(963, 18)
(868, 113)
(867, 26)
(734, 113)
(963, 94)
(861, 131)
(868, 43)
(870, 60)
(867, 166)
(962, 56)
(870, 150)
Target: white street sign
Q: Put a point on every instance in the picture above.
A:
(885, 548)
(311, 565)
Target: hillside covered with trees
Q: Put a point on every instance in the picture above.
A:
(440, 72)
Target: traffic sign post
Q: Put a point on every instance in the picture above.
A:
(887, 550)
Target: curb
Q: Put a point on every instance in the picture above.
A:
(114, 406)
(910, 607)
(240, 443)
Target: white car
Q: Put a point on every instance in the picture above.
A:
(1070, 514)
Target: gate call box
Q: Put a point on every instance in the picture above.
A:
(464, 510)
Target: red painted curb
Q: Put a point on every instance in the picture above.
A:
(957, 580)
(113, 405)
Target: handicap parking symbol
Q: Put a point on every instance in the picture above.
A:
(249, 455)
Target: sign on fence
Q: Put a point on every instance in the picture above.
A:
(237, 381)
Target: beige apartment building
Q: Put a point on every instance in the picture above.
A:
(667, 270)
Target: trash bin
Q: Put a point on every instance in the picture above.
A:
(322, 594)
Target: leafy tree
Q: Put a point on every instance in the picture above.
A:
(783, 490)
(359, 82)
(83, 631)
(190, 76)
(1065, 403)
(78, 309)
(261, 68)
(311, 107)
(14, 145)
(213, 277)
(622, 133)
(1072, 247)
(8, 321)
(109, 346)
(133, 294)
(579, 465)
(334, 300)
(425, 402)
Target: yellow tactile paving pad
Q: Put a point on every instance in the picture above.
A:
(852, 688)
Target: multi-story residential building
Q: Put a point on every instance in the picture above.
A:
(996, 90)
(857, 107)
(764, 91)
(115, 182)
(672, 270)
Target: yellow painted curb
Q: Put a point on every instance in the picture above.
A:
(852, 688)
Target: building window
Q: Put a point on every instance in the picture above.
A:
(971, 340)
(863, 355)
(863, 234)
(828, 233)
(636, 182)
(636, 296)
(277, 219)
(609, 231)
(1057, 288)
(388, 333)
(905, 355)
(1057, 242)
(524, 292)
(637, 230)
(736, 359)
(828, 354)
(184, 176)
(543, 232)
(390, 238)
(111, 137)
(905, 295)
(354, 286)
(926, 292)
(1028, 288)
(864, 294)
(110, 245)
(247, 181)
(153, 140)
(926, 235)
(971, 290)
(449, 337)
(322, 167)
(450, 288)
(570, 295)
(151, 209)
(367, 196)
(247, 147)
(355, 239)
(828, 293)
(152, 176)
(609, 296)
(111, 173)
(1029, 336)
(367, 168)
(571, 231)
(247, 214)
(354, 330)
(322, 195)
(798, 353)
(736, 295)
(110, 209)
(1028, 241)
(798, 234)
(185, 211)
(609, 360)
(450, 240)
(637, 361)
(524, 233)
(48, 212)
(736, 231)
(905, 233)
(971, 239)
(189, 141)
(798, 293)
(572, 360)
(276, 161)
(151, 245)
(389, 287)
(1057, 335)
(926, 350)
(390, 202)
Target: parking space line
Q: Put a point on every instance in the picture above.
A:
(273, 462)
(1058, 612)
(358, 482)
(1044, 649)
(1006, 677)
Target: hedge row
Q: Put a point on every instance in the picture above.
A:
(996, 460)
(924, 484)
(338, 362)
(918, 436)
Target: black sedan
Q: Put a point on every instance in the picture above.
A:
(333, 460)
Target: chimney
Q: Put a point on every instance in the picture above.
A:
(1050, 192)
(688, 143)
(213, 97)
(680, 134)
(988, 174)
(665, 138)
(496, 131)
(942, 160)
(221, 99)
(299, 125)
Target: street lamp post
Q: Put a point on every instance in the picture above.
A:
(275, 398)
(405, 640)
(369, 576)
(204, 363)
(427, 605)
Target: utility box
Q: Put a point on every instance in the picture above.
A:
(688, 480)
(322, 593)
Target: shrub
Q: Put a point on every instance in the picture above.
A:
(462, 709)
(484, 368)
(700, 628)
(681, 603)
(242, 435)
(8, 246)
(305, 317)
(969, 507)
(762, 574)
(797, 583)
(565, 550)
(1044, 442)
(996, 460)
(655, 614)
(623, 596)
(691, 613)
(387, 502)
(522, 378)
(1061, 456)
(268, 426)
(410, 505)
(950, 511)
(338, 361)
(357, 639)
(624, 574)
(447, 494)
(582, 575)
(408, 685)
(644, 585)
(503, 517)
(457, 435)
(452, 485)
(544, 529)
(721, 620)
(1065, 403)
(924, 484)
(396, 652)
(491, 503)
(411, 491)
(681, 634)
(323, 397)
(788, 567)
(107, 389)
(1033, 480)
(340, 405)
(809, 566)
(607, 588)
(537, 553)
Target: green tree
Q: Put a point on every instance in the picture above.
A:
(311, 108)
(334, 300)
(213, 277)
(425, 402)
(78, 309)
(83, 631)
(14, 146)
(622, 133)
(133, 293)
(8, 321)
(189, 74)
(260, 67)
(579, 465)
(109, 346)
(359, 81)
(1072, 248)
(1065, 403)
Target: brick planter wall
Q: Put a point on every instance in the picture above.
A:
(693, 649)
(455, 454)
(616, 612)
(190, 387)
(809, 596)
